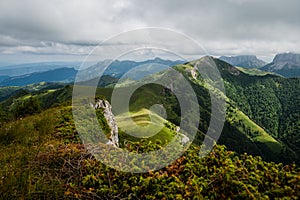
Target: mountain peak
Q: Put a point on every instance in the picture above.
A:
(203, 58)
(286, 64)
(246, 61)
(287, 57)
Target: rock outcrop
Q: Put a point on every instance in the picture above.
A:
(110, 118)
(113, 137)
(184, 140)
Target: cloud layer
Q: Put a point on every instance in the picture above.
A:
(223, 27)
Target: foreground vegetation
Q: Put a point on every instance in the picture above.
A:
(43, 158)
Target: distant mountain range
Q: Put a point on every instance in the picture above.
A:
(285, 64)
(28, 68)
(65, 75)
(118, 68)
(246, 61)
(57, 72)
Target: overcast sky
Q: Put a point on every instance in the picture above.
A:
(35, 30)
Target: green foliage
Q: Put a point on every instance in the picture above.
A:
(273, 103)
(20, 142)
(42, 158)
(219, 175)
(65, 127)
(41, 155)
(22, 108)
(144, 123)
(6, 92)
(33, 99)
(102, 121)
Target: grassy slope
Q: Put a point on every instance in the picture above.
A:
(254, 71)
(260, 135)
(148, 95)
(42, 158)
(250, 136)
(142, 119)
(261, 141)
(21, 142)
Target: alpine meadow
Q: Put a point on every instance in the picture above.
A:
(149, 99)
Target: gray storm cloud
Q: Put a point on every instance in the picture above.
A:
(221, 26)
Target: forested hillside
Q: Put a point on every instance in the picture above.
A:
(271, 101)
(42, 155)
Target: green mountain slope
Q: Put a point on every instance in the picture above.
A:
(267, 101)
(42, 158)
(271, 101)
(262, 109)
(146, 121)
(259, 109)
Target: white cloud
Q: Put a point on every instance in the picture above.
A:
(222, 26)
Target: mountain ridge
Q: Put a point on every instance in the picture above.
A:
(262, 110)
(285, 64)
(65, 75)
(246, 61)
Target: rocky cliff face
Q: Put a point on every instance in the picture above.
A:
(285, 60)
(287, 57)
(246, 61)
(286, 64)
(110, 118)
